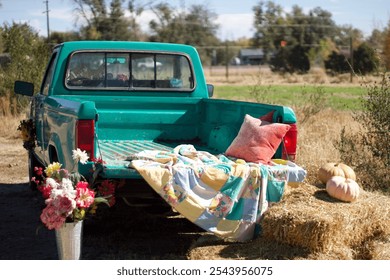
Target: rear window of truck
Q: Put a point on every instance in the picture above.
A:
(130, 71)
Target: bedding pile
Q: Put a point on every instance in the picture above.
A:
(225, 196)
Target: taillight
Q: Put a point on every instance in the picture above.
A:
(290, 143)
(85, 132)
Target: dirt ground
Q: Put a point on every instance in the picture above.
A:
(118, 233)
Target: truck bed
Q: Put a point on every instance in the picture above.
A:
(172, 122)
(116, 154)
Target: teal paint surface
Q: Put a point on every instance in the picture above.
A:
(127, 121)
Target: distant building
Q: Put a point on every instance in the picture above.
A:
(251, 56)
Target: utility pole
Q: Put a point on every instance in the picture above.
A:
(227, 60)
(351, 55)
(47, 20)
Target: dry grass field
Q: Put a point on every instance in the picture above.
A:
(250, 75)
(307, 223)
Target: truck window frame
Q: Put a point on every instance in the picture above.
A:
(49, 73)
(155, 84)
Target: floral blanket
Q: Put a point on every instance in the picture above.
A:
(224, 196)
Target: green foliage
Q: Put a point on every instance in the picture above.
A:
(369, 149)
(291, 60)
(59, 37)
(377, 39)
(315, 101)
(310, 101)
(273, 25)
(262, 93)
(386, 48)
(337, 63)
(365, 60)
(280, 63)
(268, 24)
(28, 58)
(195, 27)
(108, 24)
(299, 60)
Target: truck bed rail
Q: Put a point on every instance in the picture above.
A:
(115, 154)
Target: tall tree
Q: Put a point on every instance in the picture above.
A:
(276, 28)
(103, 23)
(118, 25)
(376, 39)
(319, 26)
(386, 48)
(268, 19)
(195, 26)
(136, 9)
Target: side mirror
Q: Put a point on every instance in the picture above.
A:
(24, 88)
(210, 90)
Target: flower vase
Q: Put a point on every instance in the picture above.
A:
(68, 239)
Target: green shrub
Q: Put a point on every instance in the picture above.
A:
(368, 150)
(28, 56)
(365, 60)
(291, 60)
(337, 63)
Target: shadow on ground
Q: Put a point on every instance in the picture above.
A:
(121, 232)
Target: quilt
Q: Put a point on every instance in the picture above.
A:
(222, 195)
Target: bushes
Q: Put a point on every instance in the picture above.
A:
(337, 63)
(28, 56)
(365, 61)
(369, 149)
(291, 60)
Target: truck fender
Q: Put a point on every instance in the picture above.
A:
(55, 150)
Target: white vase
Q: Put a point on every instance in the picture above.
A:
(69, 238)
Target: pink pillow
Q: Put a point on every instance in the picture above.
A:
(255, 142)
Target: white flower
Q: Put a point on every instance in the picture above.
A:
(52, 183)
(67, 187)
(79, 155)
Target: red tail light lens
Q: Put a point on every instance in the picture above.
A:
(85, 136)
(290, 143)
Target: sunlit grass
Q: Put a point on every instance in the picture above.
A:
(338, 97)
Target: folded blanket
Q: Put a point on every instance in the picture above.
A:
(218, 194)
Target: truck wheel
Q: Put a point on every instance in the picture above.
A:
(32, 162)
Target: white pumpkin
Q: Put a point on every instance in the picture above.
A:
(344, 189)
(331, 169)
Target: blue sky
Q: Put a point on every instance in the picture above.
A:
(234, 16)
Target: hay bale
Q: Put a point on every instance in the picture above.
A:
(310, 218)
(261, 249)
(379, 249)
(308, 224)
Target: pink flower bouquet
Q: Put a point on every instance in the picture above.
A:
(68, 197)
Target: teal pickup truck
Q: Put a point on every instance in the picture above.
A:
(96, 97)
